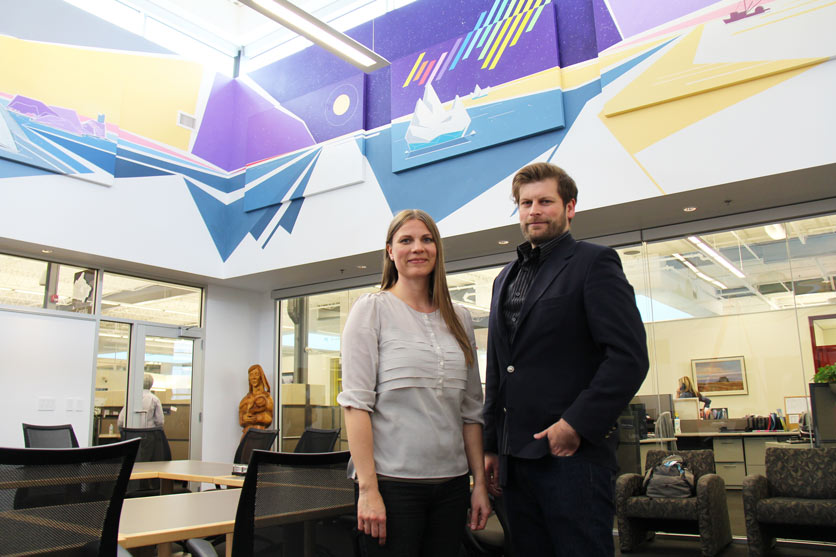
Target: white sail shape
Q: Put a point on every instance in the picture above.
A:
(7, 141)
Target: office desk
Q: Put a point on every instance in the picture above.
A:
(148, 521)
(185, 470)
(161, 520)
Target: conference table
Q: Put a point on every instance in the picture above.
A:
(160, 520)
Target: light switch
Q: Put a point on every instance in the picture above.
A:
(46, 404)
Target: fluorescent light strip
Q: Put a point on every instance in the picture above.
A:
(699, 273)
(320, 33)
(716, 256)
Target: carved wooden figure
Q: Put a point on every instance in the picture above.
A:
(256, 408)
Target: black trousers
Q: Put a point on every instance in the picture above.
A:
(560, 506)
(422, 520)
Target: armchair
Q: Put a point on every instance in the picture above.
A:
(796, 499)
(705, 513)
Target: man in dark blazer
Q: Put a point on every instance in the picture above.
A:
(566, 353)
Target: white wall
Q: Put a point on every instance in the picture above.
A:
(49, 360)
(776, 347)
(239, 332)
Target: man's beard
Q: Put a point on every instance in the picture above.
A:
(554, 229)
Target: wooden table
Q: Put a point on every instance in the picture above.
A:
(149, 521)
(186, 470)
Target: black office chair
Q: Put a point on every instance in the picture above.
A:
(49, 436)
(282, 483)
(83, 519)
(260, 439)
(317, 440)
(154, 447)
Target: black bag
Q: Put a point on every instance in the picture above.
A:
(670, 478)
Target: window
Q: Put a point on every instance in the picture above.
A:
(42, 284)
(150, 300)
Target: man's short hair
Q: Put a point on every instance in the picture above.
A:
(539, 171)
(147, 381)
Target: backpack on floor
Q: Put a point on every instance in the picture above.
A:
(670, 478)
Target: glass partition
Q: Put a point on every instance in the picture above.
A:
(151, 300)
(43, 284)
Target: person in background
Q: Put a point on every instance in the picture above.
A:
(413, 398)
(566, 353)
(152, 408)
(687, 389)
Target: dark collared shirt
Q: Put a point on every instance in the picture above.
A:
(530, 260)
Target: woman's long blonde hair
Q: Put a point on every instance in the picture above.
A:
(439, 294)
(690, 386)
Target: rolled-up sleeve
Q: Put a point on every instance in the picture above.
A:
(360, 356)
(472, 401)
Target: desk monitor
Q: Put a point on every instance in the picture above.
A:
(823, 402)
(688, 408)
(655, 404)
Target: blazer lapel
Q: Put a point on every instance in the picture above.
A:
(546, 275)
(502, 340)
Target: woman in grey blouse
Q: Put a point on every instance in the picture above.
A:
(413, 401)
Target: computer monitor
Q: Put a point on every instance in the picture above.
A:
(823, 402)
(655, 404)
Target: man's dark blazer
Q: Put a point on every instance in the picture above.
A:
(579, 353)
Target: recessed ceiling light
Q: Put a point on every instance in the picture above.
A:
(689, 209)
(46, 251)
(503, 242)
(361, 266)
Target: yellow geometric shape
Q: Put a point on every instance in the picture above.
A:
(496, 43)
(676, 76)
(141, 94)
(496, 58)
(639, 129)
(415, 67)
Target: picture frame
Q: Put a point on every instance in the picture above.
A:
(720, 376)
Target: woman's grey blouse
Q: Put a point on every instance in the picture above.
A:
(406, 369)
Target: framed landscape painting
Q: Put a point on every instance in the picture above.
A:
(720, 376)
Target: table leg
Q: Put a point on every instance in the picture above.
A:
(166, 486)
(310, 538)
(229, 545)
(164, 550)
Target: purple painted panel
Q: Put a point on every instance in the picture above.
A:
(30, 107)
(62, 119)
(535, 51)
(606, 33)
(334, 110)
(575, 31)
(635, 16)
(240, 127)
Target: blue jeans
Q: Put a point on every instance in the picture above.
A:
(561, 506)
(422, 520)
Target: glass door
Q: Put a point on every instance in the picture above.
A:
(162, 365)
(147, 368)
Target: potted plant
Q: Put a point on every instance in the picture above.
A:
(826, 374)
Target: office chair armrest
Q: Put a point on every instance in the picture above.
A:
(122, 552)
(201, 548)
(627, 485)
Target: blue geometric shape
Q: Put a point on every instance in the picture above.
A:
(227, 224)
(289, 217)
(130, 169)
(299, 192)
(221, 183)
(9, 169)
(256, 172)
(267, 215)
(273, 189)
(103, 159)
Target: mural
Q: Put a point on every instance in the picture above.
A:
(636, 98)
(506, 46)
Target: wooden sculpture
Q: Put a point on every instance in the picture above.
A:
(256, 408)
